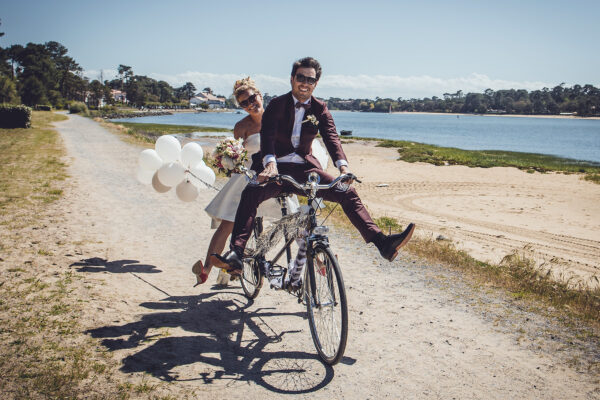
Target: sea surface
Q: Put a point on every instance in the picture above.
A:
(578, 139)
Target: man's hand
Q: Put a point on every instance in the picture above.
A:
(345, 170)
(269, 171)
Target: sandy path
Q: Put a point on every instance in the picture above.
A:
(488, 211)
(415, 331)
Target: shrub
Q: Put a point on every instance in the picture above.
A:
(12, 116)
(592, 178)
(8, 90)
(78, 107)
(388, 224)
(42, 107)
(61, 105)
(108, 109)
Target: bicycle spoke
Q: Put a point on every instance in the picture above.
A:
(327, 314)
(251, 278)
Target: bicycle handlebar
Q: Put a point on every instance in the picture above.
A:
(310, 186)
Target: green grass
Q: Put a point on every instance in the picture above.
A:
(31, 170)
(388, 225)
(43, 352)
(166, 129)
(519, 275)
(419, 152)
(146, 134)
(592, 178)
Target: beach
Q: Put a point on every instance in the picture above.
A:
(488, 212)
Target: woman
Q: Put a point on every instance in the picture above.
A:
(223, 207)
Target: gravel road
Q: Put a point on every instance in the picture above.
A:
(416, 330)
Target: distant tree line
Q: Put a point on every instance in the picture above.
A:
(44, 74)
(582, 100)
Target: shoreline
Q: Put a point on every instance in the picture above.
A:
(233, 110)
(499, 115)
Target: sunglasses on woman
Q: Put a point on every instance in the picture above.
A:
(306, 79)
(248, 101)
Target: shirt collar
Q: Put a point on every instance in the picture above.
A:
(296, 100)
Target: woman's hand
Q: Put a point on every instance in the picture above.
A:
(269, 171)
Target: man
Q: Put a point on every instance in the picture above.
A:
(289, 125)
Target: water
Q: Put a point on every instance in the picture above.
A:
(571, 138)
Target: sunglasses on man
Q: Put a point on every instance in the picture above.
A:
(250, 100)
(306, 79)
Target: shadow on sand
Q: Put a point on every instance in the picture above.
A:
(218, 321)
(97, 264)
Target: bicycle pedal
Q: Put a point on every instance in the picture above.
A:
(276, 282)
(276, 271)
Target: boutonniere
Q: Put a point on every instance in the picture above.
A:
(312, 119)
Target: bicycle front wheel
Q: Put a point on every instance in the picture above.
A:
(326, 304)
(252, 277)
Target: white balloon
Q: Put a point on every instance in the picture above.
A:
(150, 160)
(186, 191)
(168, 148)
(159, 187)
(191, 154)
(144, 176)
(204, 173)
(171, 174)
(209, 175)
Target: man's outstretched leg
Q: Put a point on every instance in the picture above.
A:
(388, 245)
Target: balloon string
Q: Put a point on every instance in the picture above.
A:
(207, 184)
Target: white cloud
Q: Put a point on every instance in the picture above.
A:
(415, 86)
(347, 86)
(107, 74)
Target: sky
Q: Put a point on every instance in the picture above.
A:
(367, 49)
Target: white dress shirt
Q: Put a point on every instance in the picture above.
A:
(296, 130)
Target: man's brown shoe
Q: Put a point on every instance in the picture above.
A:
(390, 245)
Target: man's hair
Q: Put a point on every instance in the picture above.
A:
(307, 62)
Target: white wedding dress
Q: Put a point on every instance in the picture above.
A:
(225, 204)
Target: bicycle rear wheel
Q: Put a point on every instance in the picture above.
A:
(326, 304)
(252, 277)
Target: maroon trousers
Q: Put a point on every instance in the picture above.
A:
(252, 196)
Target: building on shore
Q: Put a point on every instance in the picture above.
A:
(209, 99)
(119, 96)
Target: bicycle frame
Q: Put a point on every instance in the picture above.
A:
(310, 189)
(311, 238)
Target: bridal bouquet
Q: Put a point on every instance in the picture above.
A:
(230, 155)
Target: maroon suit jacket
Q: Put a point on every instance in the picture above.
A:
(276, 132)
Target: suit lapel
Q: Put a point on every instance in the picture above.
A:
(290, 115)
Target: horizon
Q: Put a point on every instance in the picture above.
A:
(363, 48)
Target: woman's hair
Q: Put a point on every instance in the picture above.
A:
(243, 85)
